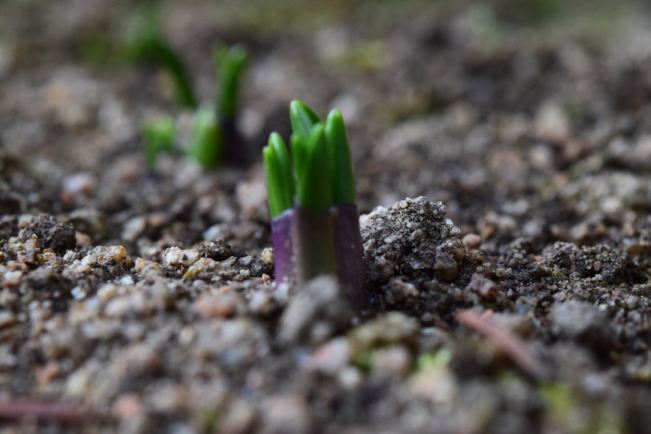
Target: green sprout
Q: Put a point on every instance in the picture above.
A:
(342, 180)
(313, 185)
(214, 139)
(315, 221)
(230, 64)
(436, 360)
(158, 135)
(148, 43)
(312, 182)
(279, 175)
(206, 141)
(302, 119)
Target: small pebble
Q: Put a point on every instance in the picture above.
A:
(332, 356)
(471, 241)
(7, 319)
(632, 302)
(177, 257)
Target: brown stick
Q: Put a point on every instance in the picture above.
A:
(507, 342)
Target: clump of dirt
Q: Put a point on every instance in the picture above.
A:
(51, 234)
(413, 257)
(411, 238)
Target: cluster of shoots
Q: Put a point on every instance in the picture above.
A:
(315, 221)
(214, 139)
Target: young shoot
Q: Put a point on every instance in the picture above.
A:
(147, 43)
(230, 66)
(342, 180)
(279, 175)
(316, 230)
(206, 140)
(280, 183)
(215, 139)
(158, 135)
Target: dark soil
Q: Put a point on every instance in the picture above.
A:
(503, 162)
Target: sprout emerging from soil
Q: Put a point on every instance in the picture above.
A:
(158, 134)
(207, 141)
(315, 221)
(214, 139)
(148, 43)
(230, 65)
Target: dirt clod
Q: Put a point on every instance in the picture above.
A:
(411, 238)
(51, 233)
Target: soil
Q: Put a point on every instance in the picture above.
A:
(503, 161)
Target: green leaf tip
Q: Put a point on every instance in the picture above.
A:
(280, 183)
(206, 140)
(285, 165)
(158, 136)
(230, 65)
(302, 118)
(274, 180)
(342, 180)
(320, 160)
(312, 182)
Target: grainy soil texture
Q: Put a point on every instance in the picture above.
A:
(502, 153)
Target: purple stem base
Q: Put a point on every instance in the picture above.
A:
(308, 243)
(235, 152)
(350, 255)
(314, 247)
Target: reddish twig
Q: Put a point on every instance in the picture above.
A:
(507, 342)
(16, 410)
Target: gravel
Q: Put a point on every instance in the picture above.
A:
(502, 176)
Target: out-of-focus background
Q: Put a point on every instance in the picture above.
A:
(45, 46)
(499, 104)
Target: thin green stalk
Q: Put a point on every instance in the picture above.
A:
(206, 141)
(148, 43)
(230, 64)
(285, 163)
(342, 180)
(279, 178)
(161, 52)
(158, 135)
(274, 181)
